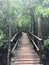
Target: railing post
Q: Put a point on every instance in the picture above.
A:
(40, 50)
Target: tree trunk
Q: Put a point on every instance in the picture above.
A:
(39, 28)
(8, 60)
(40, 35)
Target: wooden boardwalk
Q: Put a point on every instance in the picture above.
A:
(25, 54)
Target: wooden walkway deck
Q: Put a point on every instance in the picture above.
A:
(25, 54)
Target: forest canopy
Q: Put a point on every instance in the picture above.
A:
(23, 14)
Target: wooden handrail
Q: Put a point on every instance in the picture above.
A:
(15, 36)
(14, 46)
(34, 44)
(39, 46)
(14, 39)
(35, 36)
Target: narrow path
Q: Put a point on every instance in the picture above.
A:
(25, 54)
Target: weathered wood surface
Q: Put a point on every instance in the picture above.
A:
(24, 54)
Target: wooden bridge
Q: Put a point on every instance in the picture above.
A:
(24, 49)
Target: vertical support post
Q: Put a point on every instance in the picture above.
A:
(40, 36)
(40, 47)
(40, 51)
(8, 60)
(39, 28)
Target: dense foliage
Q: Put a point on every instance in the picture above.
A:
(23, 15)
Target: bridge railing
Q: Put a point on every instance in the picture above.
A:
(38, 45)
(14, 39)
(12, 46)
